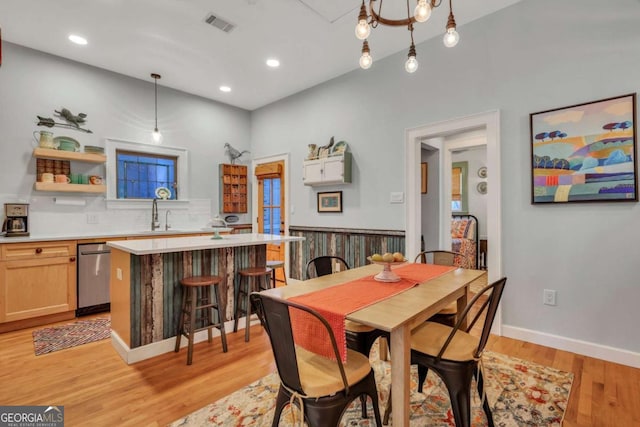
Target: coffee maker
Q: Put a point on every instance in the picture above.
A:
(16, 222)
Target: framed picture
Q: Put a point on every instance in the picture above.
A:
(423, 178)
(330, 201)
(585, 152)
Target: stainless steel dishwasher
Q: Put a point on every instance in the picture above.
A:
(93, 278)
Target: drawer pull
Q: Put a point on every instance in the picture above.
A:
(38, 250)
(72, 259)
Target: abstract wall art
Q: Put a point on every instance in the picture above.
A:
(585, 152)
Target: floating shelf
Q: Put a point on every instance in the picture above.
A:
(70, 188)
(49, 153)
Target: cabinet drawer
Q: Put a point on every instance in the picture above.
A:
(15, 251)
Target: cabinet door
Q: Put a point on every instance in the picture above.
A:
(333, 169)
(32, 288)
(312, 171)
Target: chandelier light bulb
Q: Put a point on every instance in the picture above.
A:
(422, 11)
(363, 29)
(411, 65)
(451, 37)
(365, 61)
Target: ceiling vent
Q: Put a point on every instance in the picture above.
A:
(219, 23)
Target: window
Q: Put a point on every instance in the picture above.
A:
(138, 175)
(459, 187)
(135, 170)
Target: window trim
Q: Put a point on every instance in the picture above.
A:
(113, 144)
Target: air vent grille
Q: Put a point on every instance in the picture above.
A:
(219, 23)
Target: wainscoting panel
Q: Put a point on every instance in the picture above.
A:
(351, 244)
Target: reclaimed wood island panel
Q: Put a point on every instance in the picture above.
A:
(145, 284)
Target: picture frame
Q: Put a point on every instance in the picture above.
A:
(424, 168)
(330, 201)
(585, 152)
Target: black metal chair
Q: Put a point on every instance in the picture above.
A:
(321, 388)
(453, 353)
(359, 337)
(446, 316)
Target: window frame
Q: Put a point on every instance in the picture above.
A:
(182, 155)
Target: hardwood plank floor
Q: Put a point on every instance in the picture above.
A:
(97, 388)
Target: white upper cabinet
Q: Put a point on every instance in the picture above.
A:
(331, 170)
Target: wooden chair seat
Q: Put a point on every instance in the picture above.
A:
(320, 376)
(430, 337)
(200, 280)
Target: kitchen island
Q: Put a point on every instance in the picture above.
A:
(145, 284)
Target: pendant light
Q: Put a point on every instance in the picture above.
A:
(157, 136)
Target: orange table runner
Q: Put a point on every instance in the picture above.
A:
(336, 302)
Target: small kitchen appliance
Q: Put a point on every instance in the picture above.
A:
(16, 221)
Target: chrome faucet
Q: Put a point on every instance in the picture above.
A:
(155, 224)
(166, 220)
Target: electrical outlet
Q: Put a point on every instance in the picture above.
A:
(92, 218)
(549, 297)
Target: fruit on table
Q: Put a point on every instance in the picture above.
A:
(376, 257)
(387, 257)
(398, 256)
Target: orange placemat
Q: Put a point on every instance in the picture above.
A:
(336, 302)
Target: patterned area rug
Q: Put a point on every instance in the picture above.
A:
(60, 337)
(520, 393)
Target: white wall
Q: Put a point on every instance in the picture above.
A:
(431, 201)
(535, 55)
(33, 83)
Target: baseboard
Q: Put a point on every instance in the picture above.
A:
(598, 351)
(134, 355)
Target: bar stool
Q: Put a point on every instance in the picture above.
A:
(196, 292)
(249, 281)
(274, 265)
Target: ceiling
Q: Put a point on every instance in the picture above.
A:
(313, 39)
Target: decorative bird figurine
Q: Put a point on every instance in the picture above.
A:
(325, 149)
(233, 153)
(69, 117)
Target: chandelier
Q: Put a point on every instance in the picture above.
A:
(421, 13)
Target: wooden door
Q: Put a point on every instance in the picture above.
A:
(271, 213)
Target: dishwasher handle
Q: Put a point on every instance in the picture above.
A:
(94, 252)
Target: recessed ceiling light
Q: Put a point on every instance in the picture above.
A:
(78, 39)
(225, 88)
(273, 63)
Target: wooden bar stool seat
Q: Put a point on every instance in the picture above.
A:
(252, 279)
(275, 265)
(197, 308)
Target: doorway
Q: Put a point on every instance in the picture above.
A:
(489, 123)
(269, 202)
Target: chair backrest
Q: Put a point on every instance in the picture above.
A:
(275, 315)
(323, 265)
(477, 306)
(455, 259)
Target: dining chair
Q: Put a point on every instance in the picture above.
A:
(359, 337)
(321, 388)
(448, 314)
(453, 353)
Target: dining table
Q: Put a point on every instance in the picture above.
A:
(397, 314)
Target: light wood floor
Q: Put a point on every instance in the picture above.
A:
(97, 388)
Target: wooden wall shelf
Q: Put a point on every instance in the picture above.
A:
(49, 153)
(233, 188)
(70, 188)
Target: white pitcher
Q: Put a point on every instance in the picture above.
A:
(46, 139)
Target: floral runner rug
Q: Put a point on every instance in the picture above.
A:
(57, 338)
(520, 393)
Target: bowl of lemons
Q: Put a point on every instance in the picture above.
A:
(387, 260)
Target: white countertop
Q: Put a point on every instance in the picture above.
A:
(102, 235)
(194, 243)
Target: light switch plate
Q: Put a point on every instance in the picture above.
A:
(397, 197)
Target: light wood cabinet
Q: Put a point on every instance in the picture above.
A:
(328, 170)
(233, 188)
(37, 279)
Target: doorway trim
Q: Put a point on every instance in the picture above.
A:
(254, 197)
(490, 122)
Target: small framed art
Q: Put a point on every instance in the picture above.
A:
(330, 201)
(424, 168)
